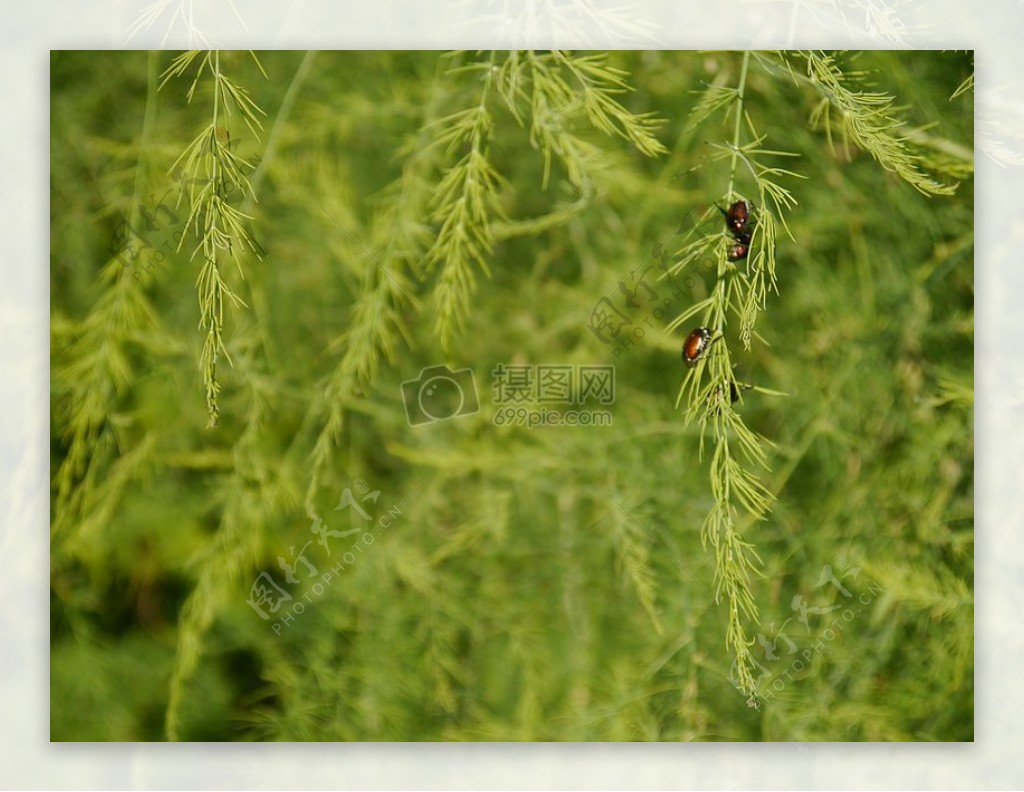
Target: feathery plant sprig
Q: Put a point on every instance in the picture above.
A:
(464, 201)
(212, 170)
(386, 289)
(92, 368)
(600, 84)
(375, 327)
(252, 490)
(740, 291)
(554, 90)
(868, 119)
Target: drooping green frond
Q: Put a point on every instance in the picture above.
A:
(91, 359)
(868, 120)
(249, 492)
(212, 171)
(464, 202)
(709, 390)
(633, 559)
(600, 83)
(713, 99)
(552, 92)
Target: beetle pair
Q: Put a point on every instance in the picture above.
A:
(738, 222)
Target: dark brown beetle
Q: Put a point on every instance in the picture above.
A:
(737, 251)
(737, 220)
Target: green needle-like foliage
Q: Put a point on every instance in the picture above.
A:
(553, 90)
(866, 119)
(794, 533)
(212, 172)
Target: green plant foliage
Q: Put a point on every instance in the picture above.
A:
(219, 227)
(263, 529)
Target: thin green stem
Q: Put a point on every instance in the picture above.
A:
(216, 86)
(739, 121)
(279, 122)
(149, 117)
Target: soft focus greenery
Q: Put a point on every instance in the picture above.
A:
(348, 219)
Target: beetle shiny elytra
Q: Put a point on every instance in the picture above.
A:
(695, 345)
(737, 220)
(737, 216)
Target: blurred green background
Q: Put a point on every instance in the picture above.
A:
(539, 583)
